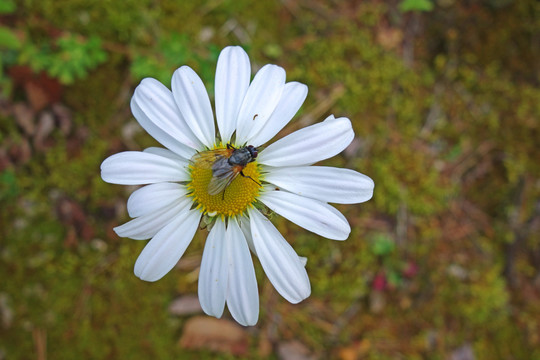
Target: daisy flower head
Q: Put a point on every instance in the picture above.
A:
(224, 177)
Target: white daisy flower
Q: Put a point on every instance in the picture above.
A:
(196, 176)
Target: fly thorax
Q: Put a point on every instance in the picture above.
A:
(240, 157)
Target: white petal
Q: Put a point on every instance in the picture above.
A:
(328, 184)
(146, 226)
(246, 229)
(292, 98)
(310, 144)
(260, 101)
(312, 215)
(213, 276)
(192, 100)
(166, 153)
(170, 155)
(162, 253)
(151, 198)
(232, 81)
(279, 260)
(157, 102)
(160, 135)
(243, 296)
(138, 168)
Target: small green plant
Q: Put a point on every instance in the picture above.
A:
(9, 188)
(75, 57)
(7, 7)
(9, 42)
(382, 245)
(416, 5)
(70, 57)
(8, 39)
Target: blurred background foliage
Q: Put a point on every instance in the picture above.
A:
(442, 263)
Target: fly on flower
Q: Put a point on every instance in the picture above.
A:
(226, 164)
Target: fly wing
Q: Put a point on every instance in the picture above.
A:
(222, 175)
(207, 159)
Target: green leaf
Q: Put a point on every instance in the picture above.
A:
(7, 7)
(8, 185)
(75, 57)
(8, 39)
(416, 5)
(382, 245)
(393, 278)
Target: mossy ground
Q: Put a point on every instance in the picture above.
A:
(445, 106)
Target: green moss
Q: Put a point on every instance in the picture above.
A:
(450, 139)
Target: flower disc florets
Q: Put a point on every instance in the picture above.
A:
(240, 194)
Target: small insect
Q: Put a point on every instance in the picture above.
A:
(226, 164)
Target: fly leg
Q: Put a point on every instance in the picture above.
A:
(249, 177)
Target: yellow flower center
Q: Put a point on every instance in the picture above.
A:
(240, 194)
